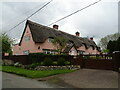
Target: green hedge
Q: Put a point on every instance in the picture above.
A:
(47, 62)
(48, 59)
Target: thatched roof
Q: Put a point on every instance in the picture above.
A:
(68, 47)
(40, 33)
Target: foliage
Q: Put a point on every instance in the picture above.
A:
(35, 57)
(33, 65)
(55, 63)
(105, 50)
(47, 61)
(67, 63)
(39, 57)
(32, 73)
(60, 43)
(6, 43)
(104, 41)
(114, 45)
(17, 64)
(61, 61)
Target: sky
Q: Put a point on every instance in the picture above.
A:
(98, 20)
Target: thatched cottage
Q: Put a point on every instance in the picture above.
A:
(37, 38)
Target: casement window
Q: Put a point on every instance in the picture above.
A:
(48, 51)
(81, 52)
(50, 40)
(26, 52)
(27, 38)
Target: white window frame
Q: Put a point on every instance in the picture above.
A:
(26, 52)
(49, 52)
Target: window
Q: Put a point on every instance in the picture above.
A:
(72, 52)
(39, 47)
(50, 40)
(26, 52)
(81, 52)
(48, 51)
(27, 38)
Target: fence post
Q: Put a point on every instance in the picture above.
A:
(82, 64)
(116, 58)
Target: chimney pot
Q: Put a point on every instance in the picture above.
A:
(91, 38)
(55, 26)
(77, 34)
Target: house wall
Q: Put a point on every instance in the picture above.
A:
(73, 51)
(31, 45)
(89, 50)
(82, 48)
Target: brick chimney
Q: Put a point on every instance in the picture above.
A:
(55, 26)
(91, 38)
(77, 34)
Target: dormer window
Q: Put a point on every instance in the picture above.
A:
(50, 40)
(27, 38)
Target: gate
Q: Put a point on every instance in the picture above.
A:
(104, 61)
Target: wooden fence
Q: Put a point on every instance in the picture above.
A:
(106, 62)
(98, 62)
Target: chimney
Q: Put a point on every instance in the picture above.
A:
(55, 26)
(91, 38)
(77, 34)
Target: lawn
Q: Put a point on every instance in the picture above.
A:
(32, 73)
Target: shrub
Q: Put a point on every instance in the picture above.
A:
(18, 64)
(67, 63)
(47, 62)
(61, 61)
(33, 65)
(36, 57)
(55, 63)
(41, 63)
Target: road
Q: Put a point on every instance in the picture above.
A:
(15, 81)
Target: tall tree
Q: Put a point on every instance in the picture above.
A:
(60, 43)
(114, 45)
(104, 41)
(5, 44)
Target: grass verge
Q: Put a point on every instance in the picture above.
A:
(32, 73)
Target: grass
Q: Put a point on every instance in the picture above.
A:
(32, 73)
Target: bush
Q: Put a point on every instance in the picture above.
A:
(41, 63)
(55, 63)
(61, 61)
(33, 65)
(36, 57)
(67, 63)
(18, 64)
(47, 62)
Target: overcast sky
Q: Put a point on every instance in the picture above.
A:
(98, 20)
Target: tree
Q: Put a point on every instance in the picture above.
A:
(5, 44)
(104, 41)
(113, 45)
(60, 43)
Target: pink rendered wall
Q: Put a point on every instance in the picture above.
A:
(89, 50)
(30, 45)
(82, 48)
(73, 49)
